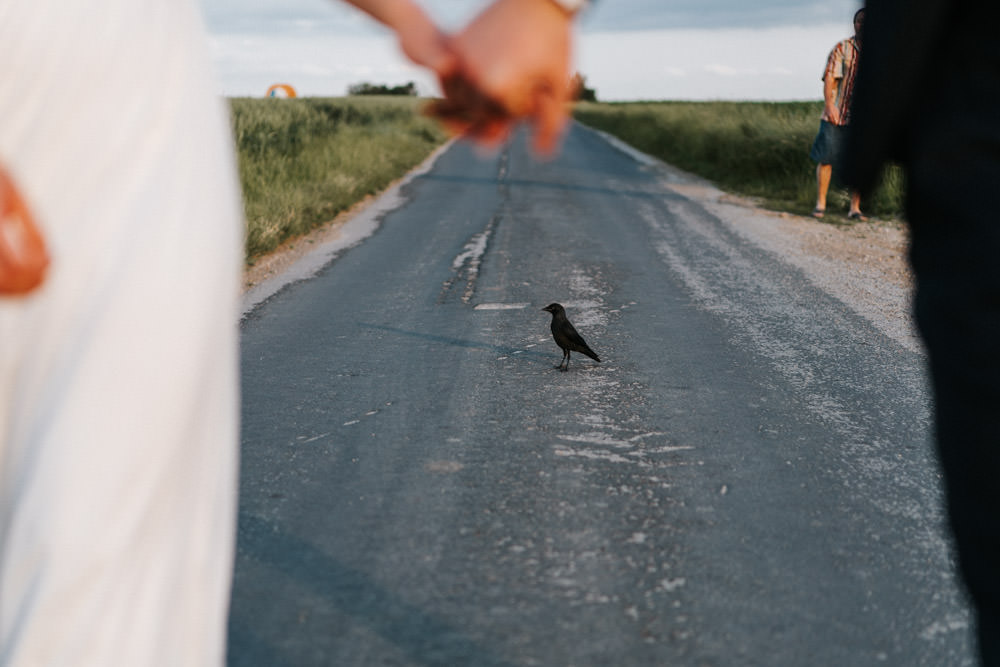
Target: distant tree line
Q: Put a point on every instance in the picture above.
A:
(579, 89)
(366, 88)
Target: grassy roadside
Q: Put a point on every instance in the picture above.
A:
(759, 149)
(303, 161)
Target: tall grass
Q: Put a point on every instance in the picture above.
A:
(760, 149)
(302, 161)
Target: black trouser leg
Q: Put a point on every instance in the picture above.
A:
(956, 258)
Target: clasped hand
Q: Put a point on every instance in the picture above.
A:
(510, 64)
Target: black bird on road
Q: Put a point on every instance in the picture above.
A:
(566, 336)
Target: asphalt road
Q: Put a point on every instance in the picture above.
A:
(747, 479)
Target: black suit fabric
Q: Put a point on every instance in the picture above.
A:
(928, 96)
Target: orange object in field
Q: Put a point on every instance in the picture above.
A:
(283, 87)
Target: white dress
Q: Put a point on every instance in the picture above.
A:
(118, 379)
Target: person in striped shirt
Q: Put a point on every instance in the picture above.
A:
(838, 86)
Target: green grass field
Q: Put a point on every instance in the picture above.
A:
(303, 161)
(759, 149)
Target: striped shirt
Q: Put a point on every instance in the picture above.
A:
(842, 66)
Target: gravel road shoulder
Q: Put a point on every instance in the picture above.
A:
(862, 264)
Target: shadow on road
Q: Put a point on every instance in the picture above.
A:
(461, 342)
(656, 193)
(422, 637)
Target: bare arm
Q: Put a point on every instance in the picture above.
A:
(420, 39)
(830, 99)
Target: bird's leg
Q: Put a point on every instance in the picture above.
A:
(565, 365)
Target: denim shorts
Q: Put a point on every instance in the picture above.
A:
(826, 147)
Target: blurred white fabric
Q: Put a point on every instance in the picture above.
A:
(118, 379)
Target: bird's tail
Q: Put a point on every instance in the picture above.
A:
(593, 355)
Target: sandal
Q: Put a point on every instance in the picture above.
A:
(856, 215)
(818, 213)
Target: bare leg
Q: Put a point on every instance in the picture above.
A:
(824, 173)
(856, 206)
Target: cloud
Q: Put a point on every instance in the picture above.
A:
(722, 70)
(719, 69)
(681, 14)
(281, 16)
(316, 64)
(323, 46)
(779, 63)
(603, 15)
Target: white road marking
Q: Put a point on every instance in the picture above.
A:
(501, 306)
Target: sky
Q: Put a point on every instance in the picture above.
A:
(627, 49)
